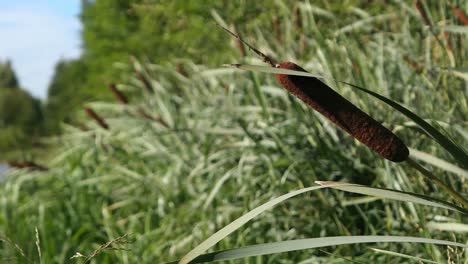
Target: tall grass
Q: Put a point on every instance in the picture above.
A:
(230, 141)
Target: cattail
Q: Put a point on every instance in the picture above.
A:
(145, 82)
(239, 44)
(145, 114)
(90, 112)
(26, 165)
(339, 110)
(422, 12)
(460, 15)
(118, 95)
(343, 113)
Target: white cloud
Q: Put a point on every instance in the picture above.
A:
(34, 39)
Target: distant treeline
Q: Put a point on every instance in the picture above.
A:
(113, 31)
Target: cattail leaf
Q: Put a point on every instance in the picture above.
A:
(457, 152)
(434, 161)
(301, 244)
(236, 224)
(392, 194)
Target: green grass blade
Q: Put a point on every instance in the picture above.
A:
(354, 188)
(236, 224)
(393, 194)
(458, 153)
(301, 244)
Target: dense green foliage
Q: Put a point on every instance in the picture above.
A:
(232, 140)
(20, 116)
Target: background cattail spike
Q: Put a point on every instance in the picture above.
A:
(90, 112)
(118, 94)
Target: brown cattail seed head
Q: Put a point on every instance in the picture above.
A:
(343, 113)
(145, 115)
(26, 165)
(90, 112)
(118, 94)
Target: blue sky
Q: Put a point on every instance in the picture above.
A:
(35, 35)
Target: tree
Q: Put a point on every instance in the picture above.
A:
(7, 76)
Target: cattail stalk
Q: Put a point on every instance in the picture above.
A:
(91, 113)
(438, 182)
(118, 94)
